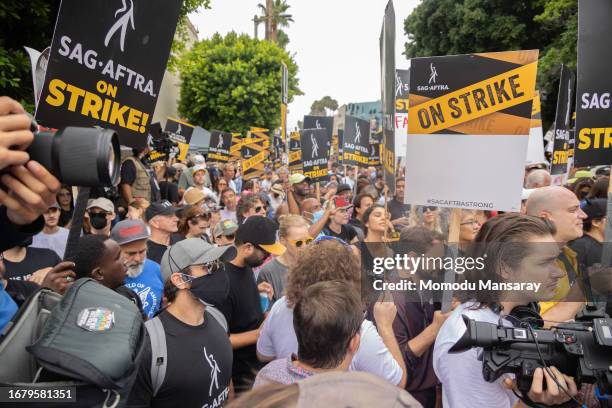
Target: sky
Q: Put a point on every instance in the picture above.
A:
(334, 42)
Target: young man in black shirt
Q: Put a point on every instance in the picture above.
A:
(24, 262)
(163, 222)
(198, 366)
(396, 206)
(255, 241)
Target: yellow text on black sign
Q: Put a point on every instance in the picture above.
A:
(90, 104)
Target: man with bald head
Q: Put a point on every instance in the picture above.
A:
(538, 178)
(315, 215)
(560, 206)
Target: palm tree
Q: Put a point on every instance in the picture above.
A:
(276, 15)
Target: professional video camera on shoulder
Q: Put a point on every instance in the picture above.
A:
(78, 156)
(581, 349)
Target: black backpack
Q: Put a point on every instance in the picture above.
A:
(91, 339)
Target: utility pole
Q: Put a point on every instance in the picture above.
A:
(269, 13)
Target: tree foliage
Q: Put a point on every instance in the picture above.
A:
(319, 107)
(280, 19)
(30, 23)
(231, 83)
(444, 27)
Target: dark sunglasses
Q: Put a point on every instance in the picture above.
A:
(205, 217)
(430, 208)
(260, 207)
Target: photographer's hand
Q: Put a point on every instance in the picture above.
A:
(15, 133)
(31, 191)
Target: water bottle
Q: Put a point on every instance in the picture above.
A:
(264, 301)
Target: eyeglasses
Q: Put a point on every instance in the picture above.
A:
(298, 243)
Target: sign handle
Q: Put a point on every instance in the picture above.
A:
(318, 191)
(453, 244)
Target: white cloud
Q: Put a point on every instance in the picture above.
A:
(335, 43)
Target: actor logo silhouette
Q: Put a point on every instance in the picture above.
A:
(179, 129)
(214, 371)
(315, 147)
(122, 23)
(357, 134)
(220, 143)
(399, 85)
(433, 75)
(317, 124)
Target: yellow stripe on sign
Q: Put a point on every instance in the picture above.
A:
(480, 99)
(253, 161)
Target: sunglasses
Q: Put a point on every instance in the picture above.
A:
(205, 217)
(260, 207)
(430, 208)
(298, 243)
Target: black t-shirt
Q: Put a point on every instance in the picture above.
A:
(169, 191)
(198, 368)
(242, 309)
(35, 259)
(155, 251)
(588, 250)
(20, 291)
(397, 209)
(347, 233)
(65, 217)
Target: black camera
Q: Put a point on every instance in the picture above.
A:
(78, 156)
(163, 145)
(582, 350)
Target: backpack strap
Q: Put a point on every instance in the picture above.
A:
(159, 352)
(218, 316)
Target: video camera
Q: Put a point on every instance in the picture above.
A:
(164, 144)
(582, 350)
(78, 156)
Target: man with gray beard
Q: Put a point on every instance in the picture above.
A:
(143, 275)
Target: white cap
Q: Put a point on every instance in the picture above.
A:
(199, 159)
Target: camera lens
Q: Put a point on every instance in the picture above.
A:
(77, 156)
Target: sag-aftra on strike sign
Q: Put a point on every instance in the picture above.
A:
(106, 65)
(468, 129)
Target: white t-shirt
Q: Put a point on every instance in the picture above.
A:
(56, 242)
(277, 339)
(463, 385)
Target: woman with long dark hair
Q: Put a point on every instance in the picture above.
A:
(66, 203)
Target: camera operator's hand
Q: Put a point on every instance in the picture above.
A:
(60, 277)
(552, 395)
(15, 133)
(31, 191)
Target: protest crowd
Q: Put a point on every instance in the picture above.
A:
(301, 277)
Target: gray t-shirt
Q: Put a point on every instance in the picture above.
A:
(277, 339)
(56, 242)
(275, 273)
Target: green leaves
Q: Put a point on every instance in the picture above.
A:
(444, 27)
(231, 83)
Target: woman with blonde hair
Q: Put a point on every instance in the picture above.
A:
(425, 216)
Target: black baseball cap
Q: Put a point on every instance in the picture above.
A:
(260, 231)
(155, 209)
(343, 187)
(594, 208)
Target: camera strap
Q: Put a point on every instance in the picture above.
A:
(569, 269)
(77, 223)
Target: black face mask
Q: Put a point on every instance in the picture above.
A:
(98, 221)
(212, 289)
